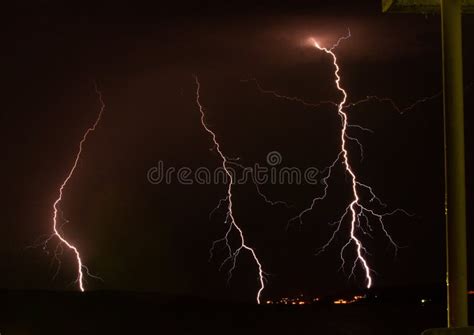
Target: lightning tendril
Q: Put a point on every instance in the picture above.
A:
(57, 231)
(230, 219)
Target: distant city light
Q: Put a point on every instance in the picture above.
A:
(301, 300)
(356, 298)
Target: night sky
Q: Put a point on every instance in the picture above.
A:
(143, 55)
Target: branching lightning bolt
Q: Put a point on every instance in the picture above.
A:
(354, 207)
(357, 212)
(230, 219)
(57, 231)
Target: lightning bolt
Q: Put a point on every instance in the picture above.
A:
(355, 206)
(57, 231)
(230, 219)
(357, 213)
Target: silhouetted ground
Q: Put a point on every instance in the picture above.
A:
(39, 312)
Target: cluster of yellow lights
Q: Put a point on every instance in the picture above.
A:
(356, 298)
(292, 301)
(302, 301)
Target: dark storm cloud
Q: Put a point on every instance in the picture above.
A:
(283, 40)
(374, 38)
(218, 32)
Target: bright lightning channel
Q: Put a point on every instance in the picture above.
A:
(355, 207)
(358, 212)
(230, 219)
(57, 232)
